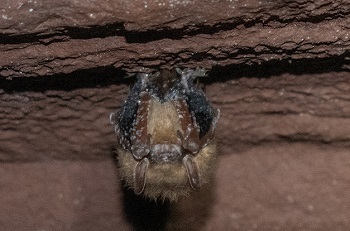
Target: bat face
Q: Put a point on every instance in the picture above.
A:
(165, 129)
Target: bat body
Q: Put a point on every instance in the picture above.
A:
(165, 129)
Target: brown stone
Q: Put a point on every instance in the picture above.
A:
(279, 73)
(39, 39)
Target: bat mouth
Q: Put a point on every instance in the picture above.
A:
(166, 153)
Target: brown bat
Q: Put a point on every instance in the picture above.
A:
(166, 128)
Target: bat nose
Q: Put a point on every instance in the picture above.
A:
(162, 153)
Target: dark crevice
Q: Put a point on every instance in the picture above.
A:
(118, 29)
(276, 68)
(90, 78)
(106, 76)
(64, 34)
(229, 24)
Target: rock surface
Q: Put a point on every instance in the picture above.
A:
(40, 38)
(279, 74)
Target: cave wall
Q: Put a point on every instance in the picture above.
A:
(278, 71)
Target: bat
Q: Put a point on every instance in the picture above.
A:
(165, 129)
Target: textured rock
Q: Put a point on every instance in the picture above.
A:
(60, 196)
(283, 142)
(279, 74)
(41, 38)
(54, 118)
(295, 186)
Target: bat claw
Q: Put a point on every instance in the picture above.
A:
(192, 172)
(140, 176)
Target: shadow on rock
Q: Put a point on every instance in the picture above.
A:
(145, 214)
(189, 213)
